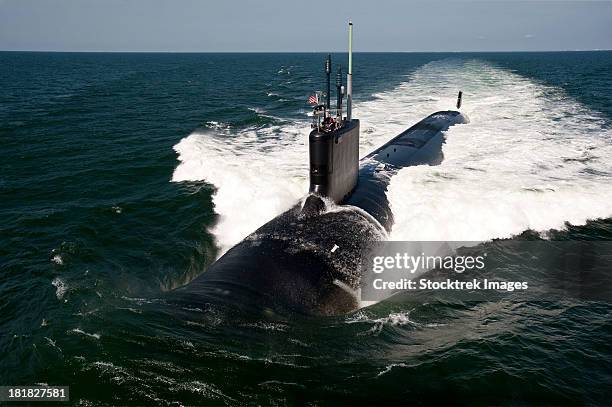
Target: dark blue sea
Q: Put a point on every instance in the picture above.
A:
(124, 176)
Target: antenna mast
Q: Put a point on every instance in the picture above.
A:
(349, 76)
(328, 72)
(340, 90)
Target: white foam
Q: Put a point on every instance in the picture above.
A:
(503, 173)
(81, 332)
(388, 368)
(258, 174)
(531, 158)
(60, 287)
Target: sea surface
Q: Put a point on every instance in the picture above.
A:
(124, 176)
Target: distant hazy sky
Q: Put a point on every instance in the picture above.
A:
(305, 25)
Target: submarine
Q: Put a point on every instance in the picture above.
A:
(308, 259)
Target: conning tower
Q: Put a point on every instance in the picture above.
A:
(334, 140)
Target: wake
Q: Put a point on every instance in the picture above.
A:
(531, 158)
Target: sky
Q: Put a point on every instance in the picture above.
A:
(307, 25)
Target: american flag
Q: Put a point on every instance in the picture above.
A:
(313, 100)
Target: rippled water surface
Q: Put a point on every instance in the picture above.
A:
(124, 176)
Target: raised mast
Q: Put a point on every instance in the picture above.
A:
(328, 73)
(339, 90)
(349, 76)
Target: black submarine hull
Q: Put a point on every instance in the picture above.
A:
(308, 259)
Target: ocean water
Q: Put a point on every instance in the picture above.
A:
(123, 176)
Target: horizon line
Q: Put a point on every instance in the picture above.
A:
(295, 52)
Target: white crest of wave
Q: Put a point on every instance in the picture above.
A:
(257, 173)
(531, 157)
